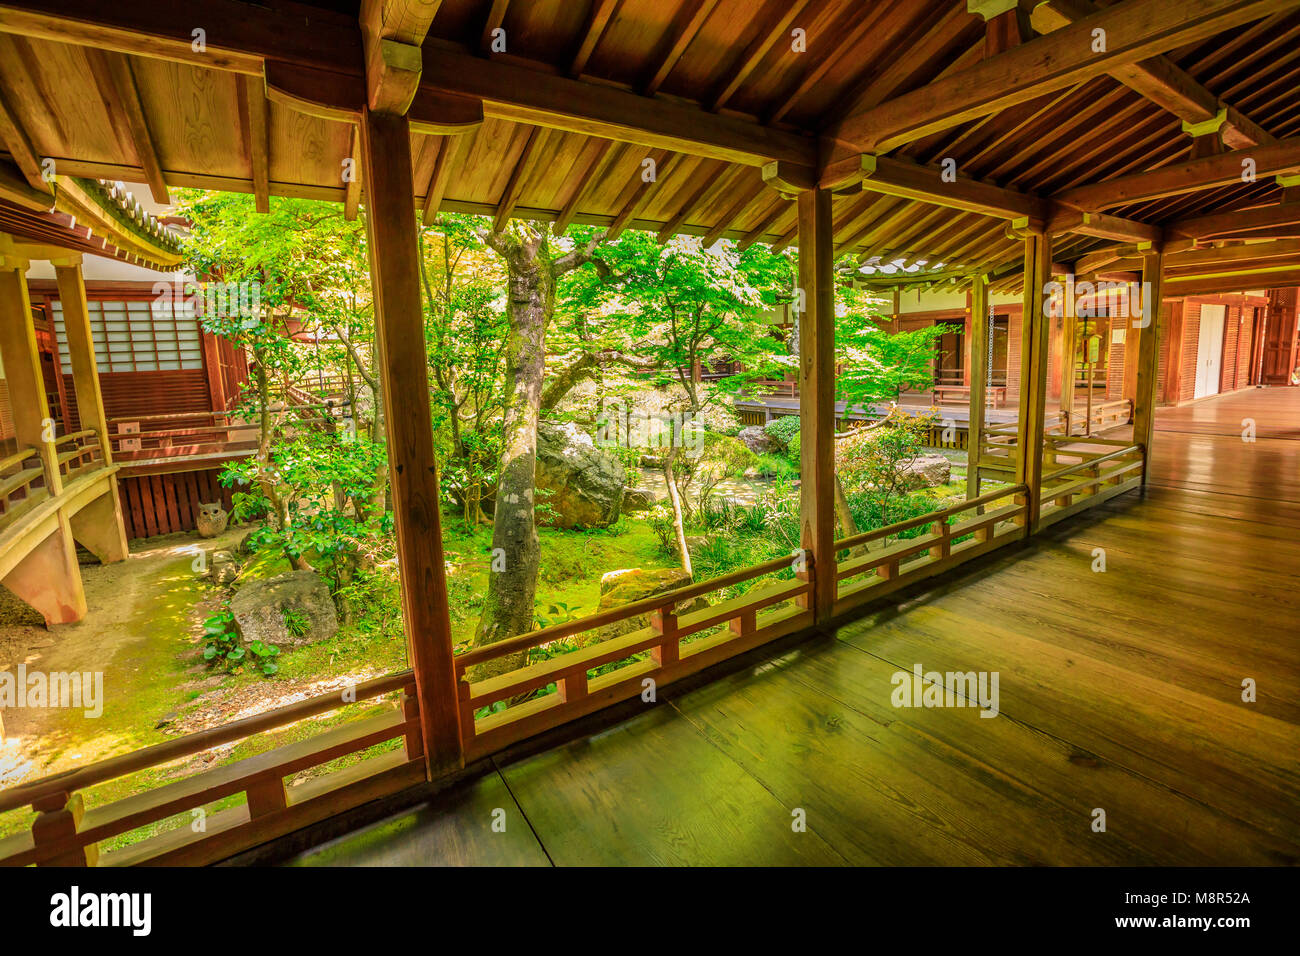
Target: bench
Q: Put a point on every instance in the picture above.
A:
(995, 396)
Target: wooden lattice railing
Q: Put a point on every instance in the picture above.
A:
(67, 832)
(673, 645)
(22, 476)
(1097, 469)
(886, 559)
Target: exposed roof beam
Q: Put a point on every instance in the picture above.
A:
(692, 201)
(756, 51)
(687, 25)
(1101, 226)
(1236, 222)
(1160, 80)
(640, 191)
(894, 177)
(118, 82)
(1232, 281)
(253, 115)
(15, 138)
(1209, 172)
(392, 32)
(744, 201)
(448, 155)
(15, 188)
(515, 185)
(496, 16)
(509, 91)
(607, 154)
(601, 13)
(1135, 30)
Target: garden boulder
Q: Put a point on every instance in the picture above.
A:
(759, 441)
(287, 610)
(639, 499)
(623, 587)
(926, 471)
(581, 483)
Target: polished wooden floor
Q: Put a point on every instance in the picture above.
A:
(1119, 691)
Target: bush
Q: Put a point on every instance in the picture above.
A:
(776, 466)
(784, 430)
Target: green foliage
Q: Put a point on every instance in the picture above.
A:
(224, 648)
(783, 428)
(777, 466)
(296, 623)
(558, 613)
(879, 365)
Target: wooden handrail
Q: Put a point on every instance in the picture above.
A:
(655, 602)
(82, 777)
(1090, 463)
(18, 457)
(76, 436)
(921, 520)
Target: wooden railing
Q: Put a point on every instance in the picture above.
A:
(22, 476)
(660, 653)
(182, 434)
(77, 449)
(1099, 469)
(67, 832)
(952, 536)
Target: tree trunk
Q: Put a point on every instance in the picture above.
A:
(508, 608)
(679, 525)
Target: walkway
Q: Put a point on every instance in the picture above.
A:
(1119, 692)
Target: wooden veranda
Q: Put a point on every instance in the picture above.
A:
(992, 144)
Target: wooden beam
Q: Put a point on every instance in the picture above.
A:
(1034, 350)
(449, 154)
(1134, 29)
(640, 191)
(1144, 402)
(515, 185)
(399, 333)
(254, 117)
(1187, 176)
(604, 159)
(1102, 226)
(495, 18)
(685, 26)
(744, 200)
(980, 332)
(392, 32)
(758, 48)
(124, 94)
(513, 92)
(817, 395)
(15, 188)
(1159, 80)
(13, 134)
(692, 201)
(601, 13)
(865, 18)
(352, 184)
(1237, 222)
(906, 180)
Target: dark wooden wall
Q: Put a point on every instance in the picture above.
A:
(162, 504)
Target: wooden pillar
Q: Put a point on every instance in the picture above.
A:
(1069, 332)
(33, 426)
(817, 394)
(1148, 358)
(399, 325)
(1034, 351)
(967, 341)
(81, 350)
(979, 368)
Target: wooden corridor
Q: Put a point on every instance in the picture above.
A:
(1118, 690)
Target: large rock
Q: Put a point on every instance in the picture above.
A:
(639, 499)
(622, 587)
(582, 483)
(261, 608)
(758, 441)
(926, 471)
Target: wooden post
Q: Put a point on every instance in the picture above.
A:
(399, 326)
(22, 364)
(1034, 348)
(1069, 331)
(979, 369)
(1144, 399)
(817, 394)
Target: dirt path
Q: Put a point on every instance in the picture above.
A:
(144, 614)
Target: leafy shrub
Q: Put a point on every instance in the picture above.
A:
(224, 647)
(783, 430)
(776, 466)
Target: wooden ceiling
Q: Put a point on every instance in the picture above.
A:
(587, 90)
